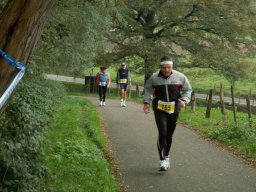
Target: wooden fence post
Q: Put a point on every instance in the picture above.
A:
(222, 104)
(193, 101)
(109, 91)
(209, 106)
(249, 111)
(95, 87)
(233, 102)
(117, 89)
(137, 90)
(129, 91)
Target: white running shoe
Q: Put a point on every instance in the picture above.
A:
(124, 104)
(121, 102)
(163, 165)
(167, 159)
(101, 103)
(104, 103)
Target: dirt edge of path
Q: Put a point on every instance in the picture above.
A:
(111, 158)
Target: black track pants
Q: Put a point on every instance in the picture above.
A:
(166, 124)
(102, 92)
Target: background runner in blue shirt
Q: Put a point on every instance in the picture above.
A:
(103, 81)
(123, 79)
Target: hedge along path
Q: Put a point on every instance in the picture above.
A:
(196, 164)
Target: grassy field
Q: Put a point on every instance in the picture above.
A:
(76, 151)
(202, 80)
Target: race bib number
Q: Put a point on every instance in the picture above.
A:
(123, 80)
(166, 106)
(102, 84)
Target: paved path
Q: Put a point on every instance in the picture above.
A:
(196, 164)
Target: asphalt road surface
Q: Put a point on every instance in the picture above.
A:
(196, 164)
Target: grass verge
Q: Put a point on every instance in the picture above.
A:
(75, 150)
(237, 135)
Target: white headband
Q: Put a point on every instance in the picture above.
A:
(166, 63)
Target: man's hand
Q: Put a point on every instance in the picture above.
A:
(182, 103)
(117, 85)
(146, 108)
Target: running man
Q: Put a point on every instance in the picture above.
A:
(123, 78)
(103, 81)
(171, 91)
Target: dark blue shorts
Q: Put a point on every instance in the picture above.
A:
(123, 86)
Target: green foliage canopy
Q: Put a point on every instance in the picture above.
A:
(215, 33)
(74, 37)
(2, 3)
(219, 35)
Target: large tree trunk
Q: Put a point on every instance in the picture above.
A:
(21, 25)
(150, 67)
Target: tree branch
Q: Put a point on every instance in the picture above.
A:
(192, 12)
